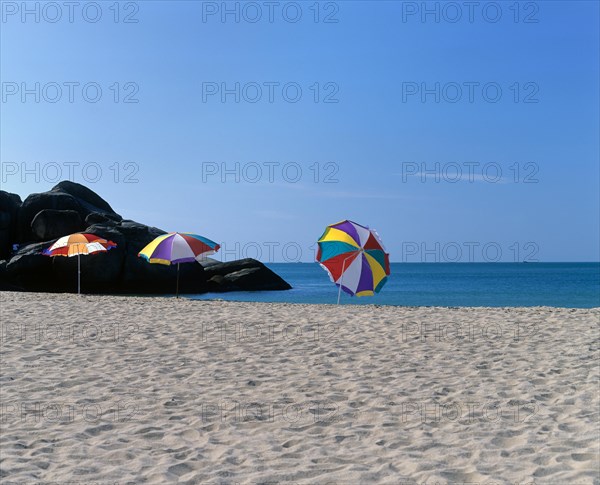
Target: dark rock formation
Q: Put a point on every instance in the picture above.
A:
(70, 207)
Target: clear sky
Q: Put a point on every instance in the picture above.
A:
(392, 98)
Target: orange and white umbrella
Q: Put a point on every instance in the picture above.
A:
(76, 245)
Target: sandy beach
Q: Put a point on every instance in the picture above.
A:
(100, 389)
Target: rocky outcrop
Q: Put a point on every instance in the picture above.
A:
(69, 207)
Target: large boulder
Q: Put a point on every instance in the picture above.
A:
(242, 275)
(66, 196)
(52, 224)
(9, 210)
(36, 203)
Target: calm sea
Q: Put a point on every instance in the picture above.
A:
(573, 285)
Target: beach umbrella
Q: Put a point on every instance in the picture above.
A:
(354, 257)
(76, 245)
(176, 248)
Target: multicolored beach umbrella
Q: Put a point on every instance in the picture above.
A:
(176, 248)
(354, 257)
(76, 245)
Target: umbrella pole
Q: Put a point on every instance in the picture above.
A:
(341, 279)
(177, 288)
(79, 274)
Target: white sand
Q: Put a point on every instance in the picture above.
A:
(147, 390)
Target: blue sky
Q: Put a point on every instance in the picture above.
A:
(372, 145)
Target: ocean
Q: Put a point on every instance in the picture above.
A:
(571, 285)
